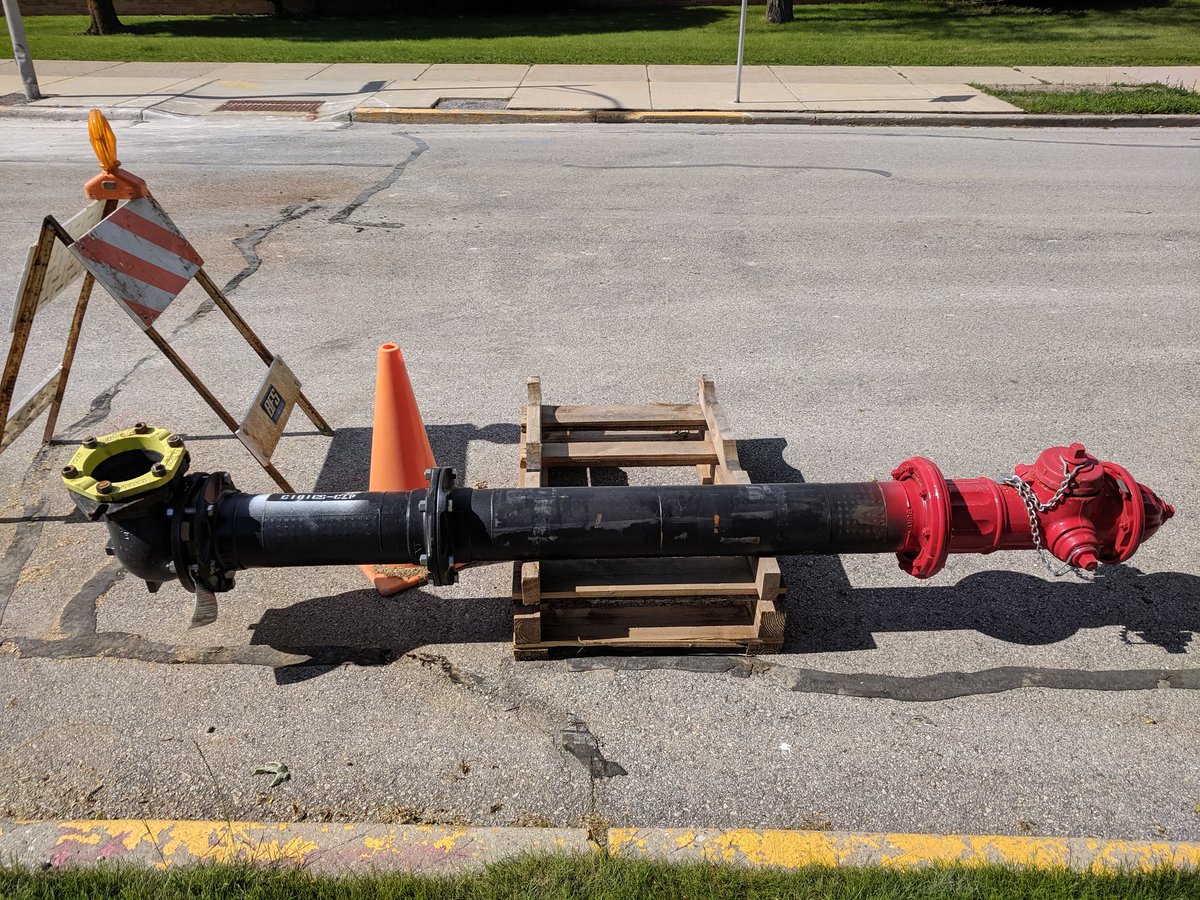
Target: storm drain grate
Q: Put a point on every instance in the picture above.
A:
(471, 103)
(297, 106)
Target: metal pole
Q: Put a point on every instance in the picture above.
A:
(737, 94)
(16, 30)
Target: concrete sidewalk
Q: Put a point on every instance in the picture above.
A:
(337, 90)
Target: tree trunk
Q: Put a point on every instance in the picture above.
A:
(104, 18)
(779, 11)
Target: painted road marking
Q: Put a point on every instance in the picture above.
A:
(140, 257)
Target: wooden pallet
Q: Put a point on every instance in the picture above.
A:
(699, 602)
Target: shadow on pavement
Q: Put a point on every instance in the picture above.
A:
(526, 18)
(348, 458)
(826, 614)
(362, 628)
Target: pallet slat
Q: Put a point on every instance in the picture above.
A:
(560, 435)
(612, 624)
(623, 418)
(706, 576)
(629, 453)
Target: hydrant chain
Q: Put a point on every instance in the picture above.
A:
(1034, 507)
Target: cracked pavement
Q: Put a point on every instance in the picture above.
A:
(858, 296)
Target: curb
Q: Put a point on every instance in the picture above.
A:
(732, 117)
(423, 116)
(329, 847)
(435, 849)
(69, 113)
(124, 114)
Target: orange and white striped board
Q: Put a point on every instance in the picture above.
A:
(140, 257)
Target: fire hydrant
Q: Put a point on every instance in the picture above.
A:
(165, 524)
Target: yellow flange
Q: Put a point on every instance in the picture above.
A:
(149, 458)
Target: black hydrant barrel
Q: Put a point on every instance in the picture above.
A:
(557, 523)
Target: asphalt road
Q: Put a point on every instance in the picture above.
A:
(858, 295)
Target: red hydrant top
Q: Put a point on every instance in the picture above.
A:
(1078, 508)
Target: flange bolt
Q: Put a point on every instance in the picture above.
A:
(104, 487)
(174, 440)
(89, 442)
(158, 470)
(142, 428)
(70, 472)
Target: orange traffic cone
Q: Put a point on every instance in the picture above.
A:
(400, 454)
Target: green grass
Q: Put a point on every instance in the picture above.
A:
(579, 877)
(901, 32)
(1117, 99)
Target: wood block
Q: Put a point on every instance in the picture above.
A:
(770, 621)
(527, 625)
(531, 583)
(533, 425)
(767, 577)
(718, 428)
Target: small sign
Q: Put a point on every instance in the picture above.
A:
(63, 267)
(273, 404)
(140, 257)
(267, 416)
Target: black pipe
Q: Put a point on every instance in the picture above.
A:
(253, 531)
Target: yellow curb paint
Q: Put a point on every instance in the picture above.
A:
(331, 847)
(791, 849)
(197, 841)
(449, 841)
(165, 843)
